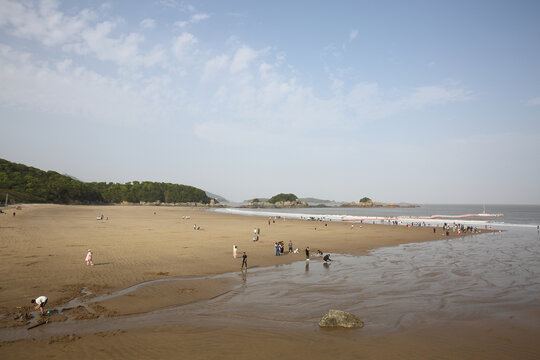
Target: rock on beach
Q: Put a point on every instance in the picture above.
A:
(338, 318)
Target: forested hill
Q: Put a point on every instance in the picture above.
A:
(28, 184)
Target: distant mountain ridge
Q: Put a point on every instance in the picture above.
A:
(314, 201)
(219, 198)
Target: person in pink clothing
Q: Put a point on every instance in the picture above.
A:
(89, 258)
(234, 248)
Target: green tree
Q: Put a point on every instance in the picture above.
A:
(282, 197)
(29, 184)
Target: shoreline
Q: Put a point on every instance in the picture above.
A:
(135, 245)
(37, 227)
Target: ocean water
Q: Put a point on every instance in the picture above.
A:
(526, 216)
(490, 275)
(481, 276)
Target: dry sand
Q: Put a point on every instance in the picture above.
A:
(42, 251)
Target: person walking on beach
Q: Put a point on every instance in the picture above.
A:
(244, 261)
(290, 247)
(88, 258)
(307, 253)
(40, 303)
(234, 248)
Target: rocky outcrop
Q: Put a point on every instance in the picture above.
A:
(338, 318)
(277, 205)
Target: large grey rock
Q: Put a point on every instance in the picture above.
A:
(336, 318)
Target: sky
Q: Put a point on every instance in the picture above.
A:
(400, 101)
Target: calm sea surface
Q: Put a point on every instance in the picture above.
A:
(482, 276)
(513, 214)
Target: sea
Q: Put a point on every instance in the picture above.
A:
(523, 216)
(492, 275)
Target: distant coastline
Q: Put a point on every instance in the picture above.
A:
(303, 204)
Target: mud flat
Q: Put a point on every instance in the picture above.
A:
(42, 251)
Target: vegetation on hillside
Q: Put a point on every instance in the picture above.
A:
(282, 197)
(365, 200)
(147, 191)
(29, 184)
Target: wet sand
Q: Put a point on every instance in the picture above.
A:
(483, 340)
(42, 251)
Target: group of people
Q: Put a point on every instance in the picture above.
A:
(460, 228)
(41, 301)
(319, 253)
(279, 248)
(256, 233)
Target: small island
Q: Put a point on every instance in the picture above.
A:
(283, 200)
(278, 201)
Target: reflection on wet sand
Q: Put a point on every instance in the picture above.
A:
(394, 288)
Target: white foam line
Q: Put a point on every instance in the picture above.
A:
(281, 214)
(402, 220)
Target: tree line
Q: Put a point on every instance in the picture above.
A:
(28, 184)
(283, 198)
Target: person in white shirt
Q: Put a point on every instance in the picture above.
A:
(40, 303)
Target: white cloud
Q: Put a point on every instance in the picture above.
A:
(428, 95)
(169, 3)
(183, 45)
(353, 34)
(79, 33)
(122, 50)
(74, 91)
(243, 58)
(239, 85)
(43, 22)
(195, 18)
(534, 102)
(64, 65)
(214, 65)
(148, 23)
(199, 17)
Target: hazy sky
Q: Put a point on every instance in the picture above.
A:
(415, 101)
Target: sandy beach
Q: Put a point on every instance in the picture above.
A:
(42, 252)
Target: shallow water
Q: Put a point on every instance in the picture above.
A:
(475, 277)
(394, 287)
